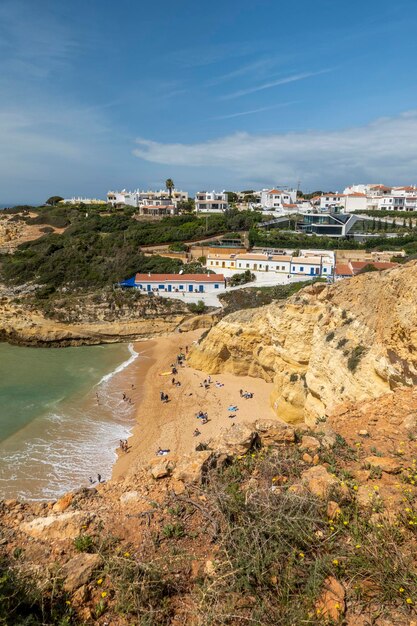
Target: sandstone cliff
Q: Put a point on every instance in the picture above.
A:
(351, 341)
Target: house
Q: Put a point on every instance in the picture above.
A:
(311, 263)
(329, 224)
(353, 268)
(249, 261)
(80, 200)
(182, 283)
(311, 266)
(211, 202)
(139, 198)
(157, 210)
(277, 199)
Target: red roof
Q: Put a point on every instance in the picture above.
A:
(160, 278)
(343, 269)
(357, 266)
(275, 191)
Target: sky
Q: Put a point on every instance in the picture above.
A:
(98, 95)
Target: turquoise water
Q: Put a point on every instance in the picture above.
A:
(62, 414)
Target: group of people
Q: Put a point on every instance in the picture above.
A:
(164, 397)
(127, 399)
(202, 416)
(92, 481)
(123, 445)
(245, 394)
(206, 383)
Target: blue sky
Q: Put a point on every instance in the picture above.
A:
(99, 95)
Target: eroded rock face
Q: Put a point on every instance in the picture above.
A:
(351, 341)
(64, 526)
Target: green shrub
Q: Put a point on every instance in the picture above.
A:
(84, 543)
(355, 357)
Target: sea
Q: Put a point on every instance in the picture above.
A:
(62, 414)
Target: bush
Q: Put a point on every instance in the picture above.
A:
(242, 278)
(355, 357)
(84, 543)
(197, 308)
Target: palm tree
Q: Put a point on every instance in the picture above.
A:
(169, 184)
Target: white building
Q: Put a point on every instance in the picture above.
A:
(139, 198)
(278, 200)
(177, 283)
(211, 202)
(80, 200)
(310, 263)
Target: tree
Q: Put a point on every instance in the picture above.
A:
(231, 196)
(53, 200)
(169, 184)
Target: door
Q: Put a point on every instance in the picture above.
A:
(255, 266)
(148, 287)
(201, 288)
(312, 271)
(169, 287)
(190, 287)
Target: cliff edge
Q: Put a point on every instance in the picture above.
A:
(351, 341)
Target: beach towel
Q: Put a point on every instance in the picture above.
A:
(233, 408)
(165, 374)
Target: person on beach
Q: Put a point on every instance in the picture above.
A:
(162, 395)
(241, 392)
(173, 381)
(97, 398)
(124, 397)
(186, 349)
(99, 478)
(196, 433)
(91, 481)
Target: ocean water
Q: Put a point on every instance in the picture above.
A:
(62, 415)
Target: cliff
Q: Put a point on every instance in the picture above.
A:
(90, 318)
(351, 341)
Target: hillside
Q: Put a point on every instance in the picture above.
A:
(351, 341)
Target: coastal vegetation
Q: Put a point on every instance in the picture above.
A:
(98, 249)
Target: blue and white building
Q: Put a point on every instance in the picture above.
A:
(177, 283)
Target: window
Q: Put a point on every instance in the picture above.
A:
(181, 287)
(324, 270)
(217, 262)
(161, 286)
(247, 264)
(216, 286)
(301, 269)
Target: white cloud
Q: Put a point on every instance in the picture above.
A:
(385, 149)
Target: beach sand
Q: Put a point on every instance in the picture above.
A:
(171, 425)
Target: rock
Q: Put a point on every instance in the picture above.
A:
(309, 443)
(209, 569)
(272, 432)
(333, 509)
(64, 526)
(78, 570)
(191, 468)
(386, 463)
(331, 603)
(318, 481)
(177, 487)
(316, 459)
(307, 458)
(410, 422)
(162, 468)
(128, 497)
(235, 441)
(63, 503)
(80, 595)
(366, 496)
(363, 433)
(328, 441)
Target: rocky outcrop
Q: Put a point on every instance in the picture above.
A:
(25, 325)
(354, 340)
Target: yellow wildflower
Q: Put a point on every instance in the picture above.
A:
(126, 554)
(401, 589)
(100, 580)
(103, 594)
(409, 601)
(335, 562)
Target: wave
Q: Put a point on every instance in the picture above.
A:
(121, 367)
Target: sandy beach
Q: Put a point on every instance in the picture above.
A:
(171, 425)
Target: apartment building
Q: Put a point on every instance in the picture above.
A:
(277, 199)
(310, 263)
(211, 202)
(139, 198)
